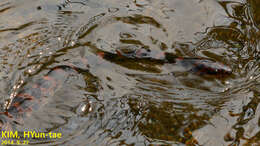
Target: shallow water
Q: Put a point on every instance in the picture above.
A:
(113, 102)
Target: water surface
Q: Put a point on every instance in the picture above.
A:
(132, 102)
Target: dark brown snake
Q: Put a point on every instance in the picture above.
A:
(31, 94)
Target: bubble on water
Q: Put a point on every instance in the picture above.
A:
(90, 107)
(12, 95)
(14, 87)
(227, 82)
(225, 89)
(73, 43)
(18, 86)
(83, 108)
(31, 70)
(6, 103)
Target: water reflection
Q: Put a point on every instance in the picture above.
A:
(135, 99)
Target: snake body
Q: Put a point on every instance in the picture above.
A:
(200, 66)
(32, 94)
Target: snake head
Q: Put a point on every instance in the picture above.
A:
(205, 66)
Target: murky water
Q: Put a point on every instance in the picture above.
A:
(132, 102)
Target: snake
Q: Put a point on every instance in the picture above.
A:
(196, 65)
(32, 94)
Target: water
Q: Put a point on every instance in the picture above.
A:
(133, 102)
